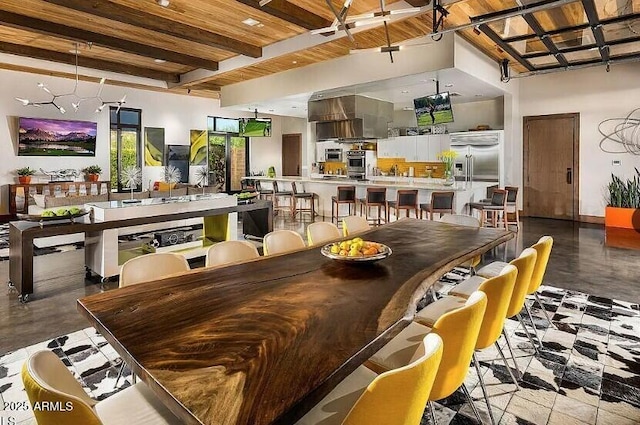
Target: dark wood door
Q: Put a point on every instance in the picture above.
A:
(551, 159)
(291, 154)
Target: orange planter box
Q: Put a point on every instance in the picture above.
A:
(621, 217)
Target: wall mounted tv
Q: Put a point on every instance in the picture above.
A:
(433, 109)
(45, 137)
(255, 127)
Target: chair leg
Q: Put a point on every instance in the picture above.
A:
(504, 359)
(470, 399)
(526, 331)
(431, 410)
(513, 356)
(484, 389)
(119, 375)
(533, 324)
(546, 313)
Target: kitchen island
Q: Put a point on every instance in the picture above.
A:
(325, 188)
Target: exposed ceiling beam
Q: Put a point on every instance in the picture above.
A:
(291, 13)
(139, 18)
(504, 46)
(68, 58)
(58, 30)
(596, 28)
(546, 40)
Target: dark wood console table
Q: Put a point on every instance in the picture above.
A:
(258, 214)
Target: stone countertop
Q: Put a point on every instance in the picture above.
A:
(390, 182)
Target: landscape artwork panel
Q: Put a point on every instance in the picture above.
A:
(198, 142)
(47, 137)
(153, 146)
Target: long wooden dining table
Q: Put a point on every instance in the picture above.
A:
(263, 341)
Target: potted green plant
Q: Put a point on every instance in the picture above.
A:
(92, 172)
(623, 202)
(24, 174)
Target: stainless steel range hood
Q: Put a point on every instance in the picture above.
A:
(348, 118)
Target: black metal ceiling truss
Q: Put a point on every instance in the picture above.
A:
(538, 32)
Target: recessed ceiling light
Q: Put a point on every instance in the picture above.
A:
(294, 107)
(405, 91)
(163, 3)
(270, 110)
(294, 62)
(423, 81)
(251, 22)
(479, 95)
(159, 60)
(448, 85)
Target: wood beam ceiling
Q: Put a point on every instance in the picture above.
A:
(70, 59)
(139, 18)
(291, 13)
(51, 28)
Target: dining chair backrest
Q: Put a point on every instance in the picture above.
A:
(383, 403)
(460, 219)
(275, 186)
(294, 188)
(376, 195)
(442, 200)
(543, 247)
(258, 186)
(230, 252)
(281, 241)
(353, 224)
(459, 330)
(512, 194)
(499, 290)
(322, 231)
(525, 263)
(47, 379)
(499, 197)
(407, 198)
(346, 193)
(151, 267)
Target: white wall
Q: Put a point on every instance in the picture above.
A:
(597, 95)
(177, 114)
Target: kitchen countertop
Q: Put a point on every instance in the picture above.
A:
(387, 181)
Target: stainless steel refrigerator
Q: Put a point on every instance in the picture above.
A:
(480, 156)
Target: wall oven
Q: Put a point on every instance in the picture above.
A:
(333, 155)
(356, 164)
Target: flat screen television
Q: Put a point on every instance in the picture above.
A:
(255, 127)
(46, 137)
(433, 109)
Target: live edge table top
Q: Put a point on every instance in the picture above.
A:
(263, 341)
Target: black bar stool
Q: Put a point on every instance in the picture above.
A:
(441, 203)
(264, 193)
(346, 195)
(303, 196)
(375, 197)
(406, 199)
(282, 194)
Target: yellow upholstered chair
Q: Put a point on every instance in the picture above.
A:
(354, 224)
(281, 241)
(151, 267)
(46, 378)
(525, 264)
(230, 252)
(395, 397)
(322, 231)
(459, 330)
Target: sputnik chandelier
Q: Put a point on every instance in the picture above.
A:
(75, 104)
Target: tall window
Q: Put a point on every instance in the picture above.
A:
(126, 146)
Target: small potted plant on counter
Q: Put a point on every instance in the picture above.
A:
(92, 172)
(24, 174)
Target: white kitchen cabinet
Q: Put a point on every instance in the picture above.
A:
(320, 152)
(387, 147)
(423, 147)
(407, 148)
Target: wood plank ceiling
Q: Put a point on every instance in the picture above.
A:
(142, 38)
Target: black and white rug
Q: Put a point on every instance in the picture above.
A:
(588, 371)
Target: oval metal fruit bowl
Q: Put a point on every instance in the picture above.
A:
(385, 252)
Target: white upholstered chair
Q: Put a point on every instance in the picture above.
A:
(322, 231)
(281, 241)
(353, 224)
(152, 266)
(230, 252)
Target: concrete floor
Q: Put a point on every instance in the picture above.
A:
(579, 261)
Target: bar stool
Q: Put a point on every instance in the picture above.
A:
(407, 199)
(498, 204)
(264, 193)
(441, 202)
(303, 196)
(512, 206)
(248, 185)
(346, 195)
(376, 197)
(284, 194)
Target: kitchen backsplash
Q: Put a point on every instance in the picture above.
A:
(420, 168)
